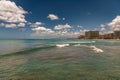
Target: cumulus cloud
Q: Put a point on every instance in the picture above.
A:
(55, 34)
(115, 24)
(10, 12)
(42, 30)
(60, 27)
(36, 24)
(61, 32)
(53, 17)
(21, 25)
(11, 15)
(102, 27)
(12, 25)
(7, 25)
(69, 34)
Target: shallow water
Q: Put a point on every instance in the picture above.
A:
(42, 60)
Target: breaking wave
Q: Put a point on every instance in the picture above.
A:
(27, 51)
(77, 45)
(98, 50)
(58, 45)
(62, 45)
(94, 48)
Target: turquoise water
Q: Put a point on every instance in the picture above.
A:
(43, 60)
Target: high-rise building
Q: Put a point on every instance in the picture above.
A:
(117, 34)
(91, 34)
(107, 36)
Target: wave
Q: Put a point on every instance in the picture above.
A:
(98, 50)
(62, 45)
(82, 45)
(77, 45)
(77, 42)
(27, 51)
(49, 47)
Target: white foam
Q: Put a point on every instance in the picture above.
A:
(98, 50)
(77, 45)
(62, 45)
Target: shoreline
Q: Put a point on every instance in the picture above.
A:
(102, 39)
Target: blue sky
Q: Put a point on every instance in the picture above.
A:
(38, 18)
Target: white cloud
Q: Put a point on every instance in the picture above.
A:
(69, 34)
(60, 27)
(10, 12)
(82, 32)
(12, 25)
(53, 17)
(55, 34)
(21, 25)
(42, 29)
(11, 15)
(36, 24)
(115, 24)
(102, 27)
(79, 26)
(42, 32)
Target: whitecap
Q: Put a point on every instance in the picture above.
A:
(77, 45)
(62, 45)
(98, 50)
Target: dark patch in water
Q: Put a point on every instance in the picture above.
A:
(27, 51)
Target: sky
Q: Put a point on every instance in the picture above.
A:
(24, 19)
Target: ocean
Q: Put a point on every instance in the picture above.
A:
(59, 59)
